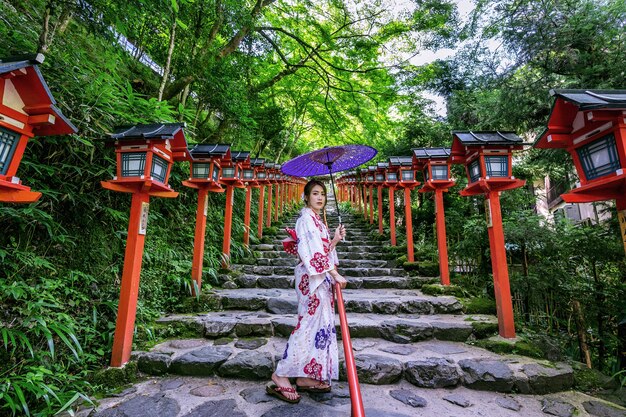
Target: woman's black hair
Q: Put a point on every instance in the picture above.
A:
(309, 187)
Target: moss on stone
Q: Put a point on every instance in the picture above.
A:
(438, 289)
(223, 341)
(479, 305)
(203, 303)
(587, 380)
(410, 266)
(111, 378)
(428, 269)
(247, 261)
(180, 329)
(518, 347)
(482, 329)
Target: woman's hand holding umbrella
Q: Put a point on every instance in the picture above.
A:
(339, 279)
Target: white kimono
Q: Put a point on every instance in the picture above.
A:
(312, 348)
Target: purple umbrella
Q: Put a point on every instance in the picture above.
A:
(329, 160)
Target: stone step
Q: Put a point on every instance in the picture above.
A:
(428, 364)
(288, 281)
(344, 263)
(276, 254)
(269, 270)
(188, 396)
(381, 301)
(402, 328)
(265, 247)
(352, 241)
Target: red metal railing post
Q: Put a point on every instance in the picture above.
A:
(353, 378)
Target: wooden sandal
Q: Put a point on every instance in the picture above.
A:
(277, 392)
(320, 388)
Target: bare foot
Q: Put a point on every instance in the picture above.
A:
(310, 382)
(282, 381)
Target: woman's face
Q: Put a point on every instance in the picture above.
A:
(317, 198)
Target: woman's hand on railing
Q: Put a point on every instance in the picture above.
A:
(339, 279)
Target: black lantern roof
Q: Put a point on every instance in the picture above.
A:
(13, 63)
(147, 131)
(382, 165)
(208, 151)
(469, 138)
(401, 161)
(277, 166)
(257, 162)
(372, 168)
(239, 156)
(270, 165)
(592, 99)
(430, 153)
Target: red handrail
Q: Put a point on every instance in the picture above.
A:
(353, 378)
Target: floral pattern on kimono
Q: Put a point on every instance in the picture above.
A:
(312, 347)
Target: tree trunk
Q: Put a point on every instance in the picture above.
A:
(170, 51)
(43, 44)
(621, 344)
(599, 317)
(585, 355)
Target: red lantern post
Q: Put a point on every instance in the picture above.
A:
(406, 179)
(261, 177)
(271, 173)
(145, 155)
(391, 181)
(204, 177)
(232, 177)
(435, 163)
(487, 158)
(379, 177)
(27, 109)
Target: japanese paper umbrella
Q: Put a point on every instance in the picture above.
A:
(327, 161)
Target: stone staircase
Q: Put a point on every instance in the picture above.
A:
(406, 344)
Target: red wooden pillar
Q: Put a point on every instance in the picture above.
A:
(380, 209)
(409, 225)
(362, 197)
(127, 307)
(506, 323)
(371, 204)
(276, 202)
(198, 240)
(228, 224)
(442, 246)
(392, 216)
(261, 207)
(246, 217)
(282, 199)
(269, 206)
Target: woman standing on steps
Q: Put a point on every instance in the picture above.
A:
(311, 352)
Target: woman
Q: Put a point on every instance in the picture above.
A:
(311, 352)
